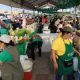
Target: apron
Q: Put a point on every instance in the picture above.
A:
(66, 57)
(22, 47)
(12, 70)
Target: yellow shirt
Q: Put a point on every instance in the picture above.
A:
(59, 34)
(59, 46)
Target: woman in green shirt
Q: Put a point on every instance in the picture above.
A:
(10, 65)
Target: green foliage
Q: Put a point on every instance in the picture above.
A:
(21, 32)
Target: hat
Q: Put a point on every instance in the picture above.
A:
(67, 29)
(5, 38)
(78, 32)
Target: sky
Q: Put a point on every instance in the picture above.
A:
(4, 7)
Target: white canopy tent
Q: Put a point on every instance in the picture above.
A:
(11, 3)
(17, 4)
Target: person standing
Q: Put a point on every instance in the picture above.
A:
(35, 43)
(10, 65)
(62, 54)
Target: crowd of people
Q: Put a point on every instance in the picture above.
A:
(18, 36)
(16, 33)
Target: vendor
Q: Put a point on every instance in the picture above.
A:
(10, 65)
(62, 54)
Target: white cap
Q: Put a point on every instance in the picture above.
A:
(5, 38)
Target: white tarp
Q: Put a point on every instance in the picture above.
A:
(15, 4)
(47, 41)
(26, 63)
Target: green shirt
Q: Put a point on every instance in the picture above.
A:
(5, 56)
(21, 47)
(3, 31)
(37, 39)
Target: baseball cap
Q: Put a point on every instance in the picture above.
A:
(5, 38)
(67, 29)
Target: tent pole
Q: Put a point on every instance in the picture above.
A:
(75, 10)
(33, 12)
(38, 13)
(62, 11)
(23, 11)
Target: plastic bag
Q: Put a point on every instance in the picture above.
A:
(26, 63)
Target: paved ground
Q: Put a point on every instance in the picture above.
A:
(41, 68)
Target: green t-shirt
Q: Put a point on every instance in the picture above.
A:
(21, 47)
(5, 56)
(37, 39)
(3, 31)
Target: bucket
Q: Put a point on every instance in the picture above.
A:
(27, 75)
